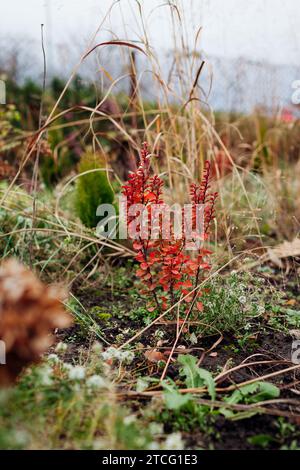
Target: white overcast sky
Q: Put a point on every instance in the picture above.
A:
(263, 30)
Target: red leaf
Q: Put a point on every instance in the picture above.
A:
(137, 245)
(187, 283)
(139, 273)
(151, 309)
(204, 266)
(150, 197)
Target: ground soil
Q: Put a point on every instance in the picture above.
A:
(269, 344)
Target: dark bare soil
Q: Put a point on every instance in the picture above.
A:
(269, 344)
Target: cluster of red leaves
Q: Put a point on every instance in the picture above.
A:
(165, 268)
(199, 195)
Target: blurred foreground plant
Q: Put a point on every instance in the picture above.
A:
(29, 312)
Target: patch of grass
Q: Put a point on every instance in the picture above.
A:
(284, 431)
(89, 321)
(65, 406)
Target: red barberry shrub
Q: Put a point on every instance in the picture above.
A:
(168, 270)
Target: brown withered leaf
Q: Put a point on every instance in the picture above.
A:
(284, 250)
(213, 354)
(153, 355)
(29, 313)
(291, 302)
(6, 170)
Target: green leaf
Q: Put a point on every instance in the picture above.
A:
(254, 393)
(190, 371)
(209, 381)
(195, 376)
(174, 400)
(266, 391)
(142, 384)
(293, 317)
(244, 414)
(261, 440)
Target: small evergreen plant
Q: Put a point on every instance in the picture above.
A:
(92, 189)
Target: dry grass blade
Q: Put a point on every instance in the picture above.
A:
(114, 43)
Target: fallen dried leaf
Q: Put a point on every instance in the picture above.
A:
(284, 250)
(291, 302)
(153, 355)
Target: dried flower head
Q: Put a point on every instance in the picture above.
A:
(29, 312)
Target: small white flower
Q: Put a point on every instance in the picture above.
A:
(21, 437)
(97, 347)
(77, 373)
(53, 358)
(261, 309)
(126, 356)
(122, 356)
(110, 353)
(45, 375)
(129, 420)
(76, 387)
(174, 442)
(156, 428)
(159, 334)
(96, 382)
(243, 299)
(119, 338)
(140, 441)
(193, 338)
(61, 347)
(153, 446)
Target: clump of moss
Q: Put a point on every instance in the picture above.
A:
(92, 189)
